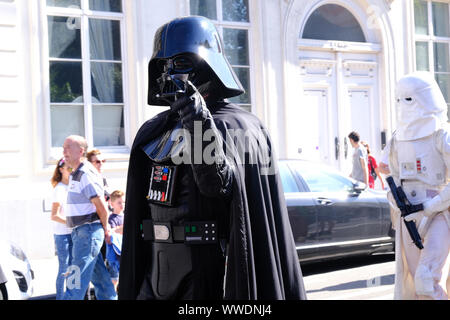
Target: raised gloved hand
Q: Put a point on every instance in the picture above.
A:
(429, 207)
(434, 205)
(191, 107)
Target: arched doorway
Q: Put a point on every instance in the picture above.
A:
(338, 69)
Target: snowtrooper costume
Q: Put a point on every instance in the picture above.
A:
(419, 160)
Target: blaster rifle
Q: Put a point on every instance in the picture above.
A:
(406, 208)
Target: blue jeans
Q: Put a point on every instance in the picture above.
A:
(88, 265)
(113, 264)
(63, 246)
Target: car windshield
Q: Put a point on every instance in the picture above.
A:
(322, 179)
(289, 184)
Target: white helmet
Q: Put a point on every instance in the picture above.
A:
(421, 106)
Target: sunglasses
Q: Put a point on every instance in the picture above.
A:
(99, 161)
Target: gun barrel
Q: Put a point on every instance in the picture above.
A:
(414, 234)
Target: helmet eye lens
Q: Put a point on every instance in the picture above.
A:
(182, 65)
(408, 100)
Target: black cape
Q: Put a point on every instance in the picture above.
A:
(262, 258)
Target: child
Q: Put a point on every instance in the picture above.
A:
(115, 221)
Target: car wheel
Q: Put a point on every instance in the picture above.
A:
(3, 292)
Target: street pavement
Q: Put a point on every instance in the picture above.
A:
(368, 282)
(44, 276)
(371, 282)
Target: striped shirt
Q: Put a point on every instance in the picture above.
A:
(85, 183)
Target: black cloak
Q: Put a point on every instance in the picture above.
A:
(262, 259)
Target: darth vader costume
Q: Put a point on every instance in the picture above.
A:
(206, 216)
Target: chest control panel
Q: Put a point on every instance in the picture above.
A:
(162, 184)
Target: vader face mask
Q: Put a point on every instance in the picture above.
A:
(421, 106)
(175, 72)
(190, 47)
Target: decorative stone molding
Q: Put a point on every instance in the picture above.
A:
(356, 68)
(351, 91)
(337, 46)
(316, 67)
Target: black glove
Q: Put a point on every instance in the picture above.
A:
(191, 107)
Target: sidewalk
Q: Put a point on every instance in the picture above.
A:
(44, 283)
(358, 283)
(44, 276)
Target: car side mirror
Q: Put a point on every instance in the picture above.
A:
(359, 187)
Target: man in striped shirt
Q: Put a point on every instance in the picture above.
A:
(87, 215)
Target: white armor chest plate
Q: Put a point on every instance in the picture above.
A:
(420, 160)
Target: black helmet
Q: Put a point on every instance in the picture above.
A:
(195, 38)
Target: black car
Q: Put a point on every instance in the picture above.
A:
(333, 215)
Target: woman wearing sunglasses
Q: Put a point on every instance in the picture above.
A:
(62, 233)
(95, 157)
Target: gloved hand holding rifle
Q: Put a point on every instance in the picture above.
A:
(406, 209)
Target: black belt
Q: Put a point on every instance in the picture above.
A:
(190, 232)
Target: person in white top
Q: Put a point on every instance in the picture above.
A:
(418, 158)
(62, 233)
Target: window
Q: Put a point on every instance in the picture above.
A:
(320, 180)
(333, 22)
(432, 41)
(287, 179)
(85, 65)
(232, 20)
